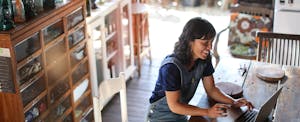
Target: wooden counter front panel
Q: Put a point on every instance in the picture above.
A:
(11, 108)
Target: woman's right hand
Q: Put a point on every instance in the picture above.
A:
(218, 110)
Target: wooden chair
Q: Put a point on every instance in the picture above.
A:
(108, 88)
(240, 9)
(215, 53)
(278, 48)
(258, 11)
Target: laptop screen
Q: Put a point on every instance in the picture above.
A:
(267, 107)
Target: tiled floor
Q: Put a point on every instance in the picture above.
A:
(165, 28)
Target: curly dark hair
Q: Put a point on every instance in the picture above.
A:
(195, 28)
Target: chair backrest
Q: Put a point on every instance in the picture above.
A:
(108, 88)
(278, 48)
(257, 11)
(215, 53)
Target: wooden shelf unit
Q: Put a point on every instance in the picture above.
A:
(49, 65)
(110, 41)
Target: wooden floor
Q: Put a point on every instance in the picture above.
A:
(139, 88)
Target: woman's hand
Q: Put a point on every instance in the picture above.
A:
(242, 102)
(218, 110)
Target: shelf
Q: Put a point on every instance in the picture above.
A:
(110, 36)
(111, 55)
(103, 10)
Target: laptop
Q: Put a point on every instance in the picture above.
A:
(263, 113)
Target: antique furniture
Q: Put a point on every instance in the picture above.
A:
(47, 65)
(110, 45)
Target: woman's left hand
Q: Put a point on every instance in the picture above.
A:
(242, 102)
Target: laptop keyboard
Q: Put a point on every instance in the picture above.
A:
(248, 116)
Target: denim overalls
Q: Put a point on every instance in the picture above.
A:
(159, 110)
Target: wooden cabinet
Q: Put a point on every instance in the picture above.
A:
(49, 65)
(110, 40)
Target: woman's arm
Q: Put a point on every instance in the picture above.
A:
(185, 109)
(218, 95)
(214, 92)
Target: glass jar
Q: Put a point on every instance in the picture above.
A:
(6, 21)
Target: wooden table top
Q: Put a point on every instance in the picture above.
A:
(288, 108)
(257, 90)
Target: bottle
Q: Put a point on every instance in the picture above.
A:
(49, 4)
(88, 7)
(30, 9)
(19, 12)
(39, 5)
(6, 21)
(94, 5)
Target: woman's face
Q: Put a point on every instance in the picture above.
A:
(201, 48)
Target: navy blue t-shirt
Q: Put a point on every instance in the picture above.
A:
(169, 79)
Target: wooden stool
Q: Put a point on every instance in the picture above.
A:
(233, 90)
(270, 73)
(141, 33)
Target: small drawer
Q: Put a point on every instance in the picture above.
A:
(29, 70)
(79, 72)
(59, 90)
(80, 90)
(76, 37)
(34, 90)
(68, 118)
(82, 107)
(74, 18)
(57, 70)
(89, 117)
(27, 47)
(59, 110)
(34, 112)
(77, 55)
(54, 52)
(53, 31)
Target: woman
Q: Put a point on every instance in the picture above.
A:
(180, 74)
